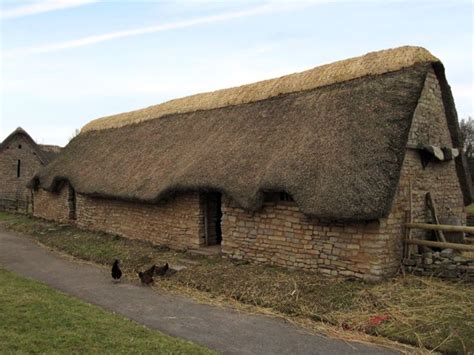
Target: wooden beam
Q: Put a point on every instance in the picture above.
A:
(430, 243)
(442, 227)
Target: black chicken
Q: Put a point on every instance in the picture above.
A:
(146, 277)
(116, 272)
(161, 271)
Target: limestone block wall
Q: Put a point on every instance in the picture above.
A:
(52, 206)
(176, 223)
(438, 178)
(281, 235)
(13, 187)
(429, 127)
(445, 264)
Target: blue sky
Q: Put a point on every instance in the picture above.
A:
(66, 62)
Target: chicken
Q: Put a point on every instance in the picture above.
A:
(161, 271)
(146, 277)
(116, 272)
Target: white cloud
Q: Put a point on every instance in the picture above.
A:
(230, 69)
(89, 40)
(41, 7)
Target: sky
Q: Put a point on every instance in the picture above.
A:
(66, 62)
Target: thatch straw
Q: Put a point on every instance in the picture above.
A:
(370, 64)
(336, 150)
(332, 137)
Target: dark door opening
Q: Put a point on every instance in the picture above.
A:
(213, 218)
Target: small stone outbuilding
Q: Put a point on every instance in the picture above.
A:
(20, 158)
(312, 170)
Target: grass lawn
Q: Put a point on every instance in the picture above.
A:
(425, 312)
(35, 318)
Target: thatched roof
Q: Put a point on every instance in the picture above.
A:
(370, 64)
(45, 153)
(51, 151)
(332, 137)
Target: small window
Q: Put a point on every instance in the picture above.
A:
(18, 169)
(277, 197)
(19, 146)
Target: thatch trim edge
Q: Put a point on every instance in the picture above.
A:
(318, 77)
(462, 168)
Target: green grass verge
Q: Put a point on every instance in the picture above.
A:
(35, 318)
(426, 312)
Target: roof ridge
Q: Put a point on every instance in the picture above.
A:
(373, 63)
(36, 146)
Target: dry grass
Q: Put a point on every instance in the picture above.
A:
(426, 312)
(370, 64)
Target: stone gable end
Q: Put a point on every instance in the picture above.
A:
(13, 187)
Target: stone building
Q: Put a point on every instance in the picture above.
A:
(20, 158)
(312, 170)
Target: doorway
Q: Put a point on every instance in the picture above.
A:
(212, 218)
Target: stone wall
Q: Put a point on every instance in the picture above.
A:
(280, 234)
(52, 206)
(438, 178)
(12, 187)
(176, 223)
(446, 264)
(429, 124)
(430, 127)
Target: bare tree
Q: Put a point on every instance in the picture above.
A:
(467, 135)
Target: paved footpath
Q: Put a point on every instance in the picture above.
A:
(222, 329)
